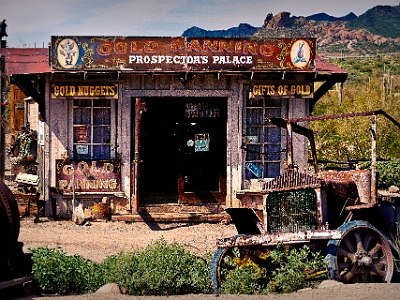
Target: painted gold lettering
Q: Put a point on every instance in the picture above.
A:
(121, 47)
(226, 46)
(210, 45)
(194, 45)
(68, 169)
(105, 48)
(136, 47)
(177, 44)
(80, 184)
(250, 47)
(113, 184)
(239, 47)
(82, 166)
(93, 168)
(56, 91)
(108, 168)
(282, 89)
(62, 184)
(266, 50)
(103, 184)
(151, 46)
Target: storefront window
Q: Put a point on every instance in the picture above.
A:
(92, 129)
(262, 141)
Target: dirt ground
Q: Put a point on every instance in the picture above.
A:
(97, 240)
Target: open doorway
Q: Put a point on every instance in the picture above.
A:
(183, 150)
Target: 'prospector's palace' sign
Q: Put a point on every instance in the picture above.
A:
(181, 54)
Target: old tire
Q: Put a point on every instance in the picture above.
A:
(362, 255)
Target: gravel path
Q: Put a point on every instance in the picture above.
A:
(101, 239)
(97, 240)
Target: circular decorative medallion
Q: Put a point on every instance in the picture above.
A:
(300, 53)
(67, 53)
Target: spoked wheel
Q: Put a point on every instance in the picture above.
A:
(226, 260)
(9, 230)
(362, 255)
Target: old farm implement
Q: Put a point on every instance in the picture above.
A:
(338, 212)
(15, 266)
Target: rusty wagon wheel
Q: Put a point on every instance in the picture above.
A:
(226, 260)
(9, 214)
(9, 228)
(361, 255)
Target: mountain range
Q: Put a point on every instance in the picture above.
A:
(374, 32)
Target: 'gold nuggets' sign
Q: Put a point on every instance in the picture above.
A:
(304, 90)
(80, 91)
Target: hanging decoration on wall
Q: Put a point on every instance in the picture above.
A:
(82, 134)
(202, 142)
(256, 171)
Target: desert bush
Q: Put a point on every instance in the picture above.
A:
(389, 173)
(59, 273)
(289, 271)
(168, 269)
(299, 268)
(160, 269)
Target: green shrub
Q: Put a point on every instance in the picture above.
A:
(389, 173)
(168, 269)
(248, 278)
(299, 268)
(289, 271)
(160, 269)
(58, 273)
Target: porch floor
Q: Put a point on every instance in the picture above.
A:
(177, 213)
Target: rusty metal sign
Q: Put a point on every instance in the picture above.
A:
(88, 176)
(181, 53)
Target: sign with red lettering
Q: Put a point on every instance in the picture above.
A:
(182, 53)
(82, 134)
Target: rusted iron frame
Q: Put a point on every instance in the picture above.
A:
(341, 116)
(274, 239)
(294, 127)
(310, 135)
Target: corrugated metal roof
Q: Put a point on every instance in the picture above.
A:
(325, 66)
(26, 60)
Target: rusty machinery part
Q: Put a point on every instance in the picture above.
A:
(9, 230)
(9, 214)
(362, 255)
(228, 259)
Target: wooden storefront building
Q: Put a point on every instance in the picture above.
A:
(147, 121)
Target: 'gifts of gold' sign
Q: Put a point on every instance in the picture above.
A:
(88, 176)
(300, 90)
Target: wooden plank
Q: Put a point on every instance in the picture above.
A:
(173, 217)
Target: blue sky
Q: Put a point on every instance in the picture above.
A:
(32, 23)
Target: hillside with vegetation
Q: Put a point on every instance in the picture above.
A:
(375, 32)
(373, 84)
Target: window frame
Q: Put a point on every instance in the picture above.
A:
(90, 143)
